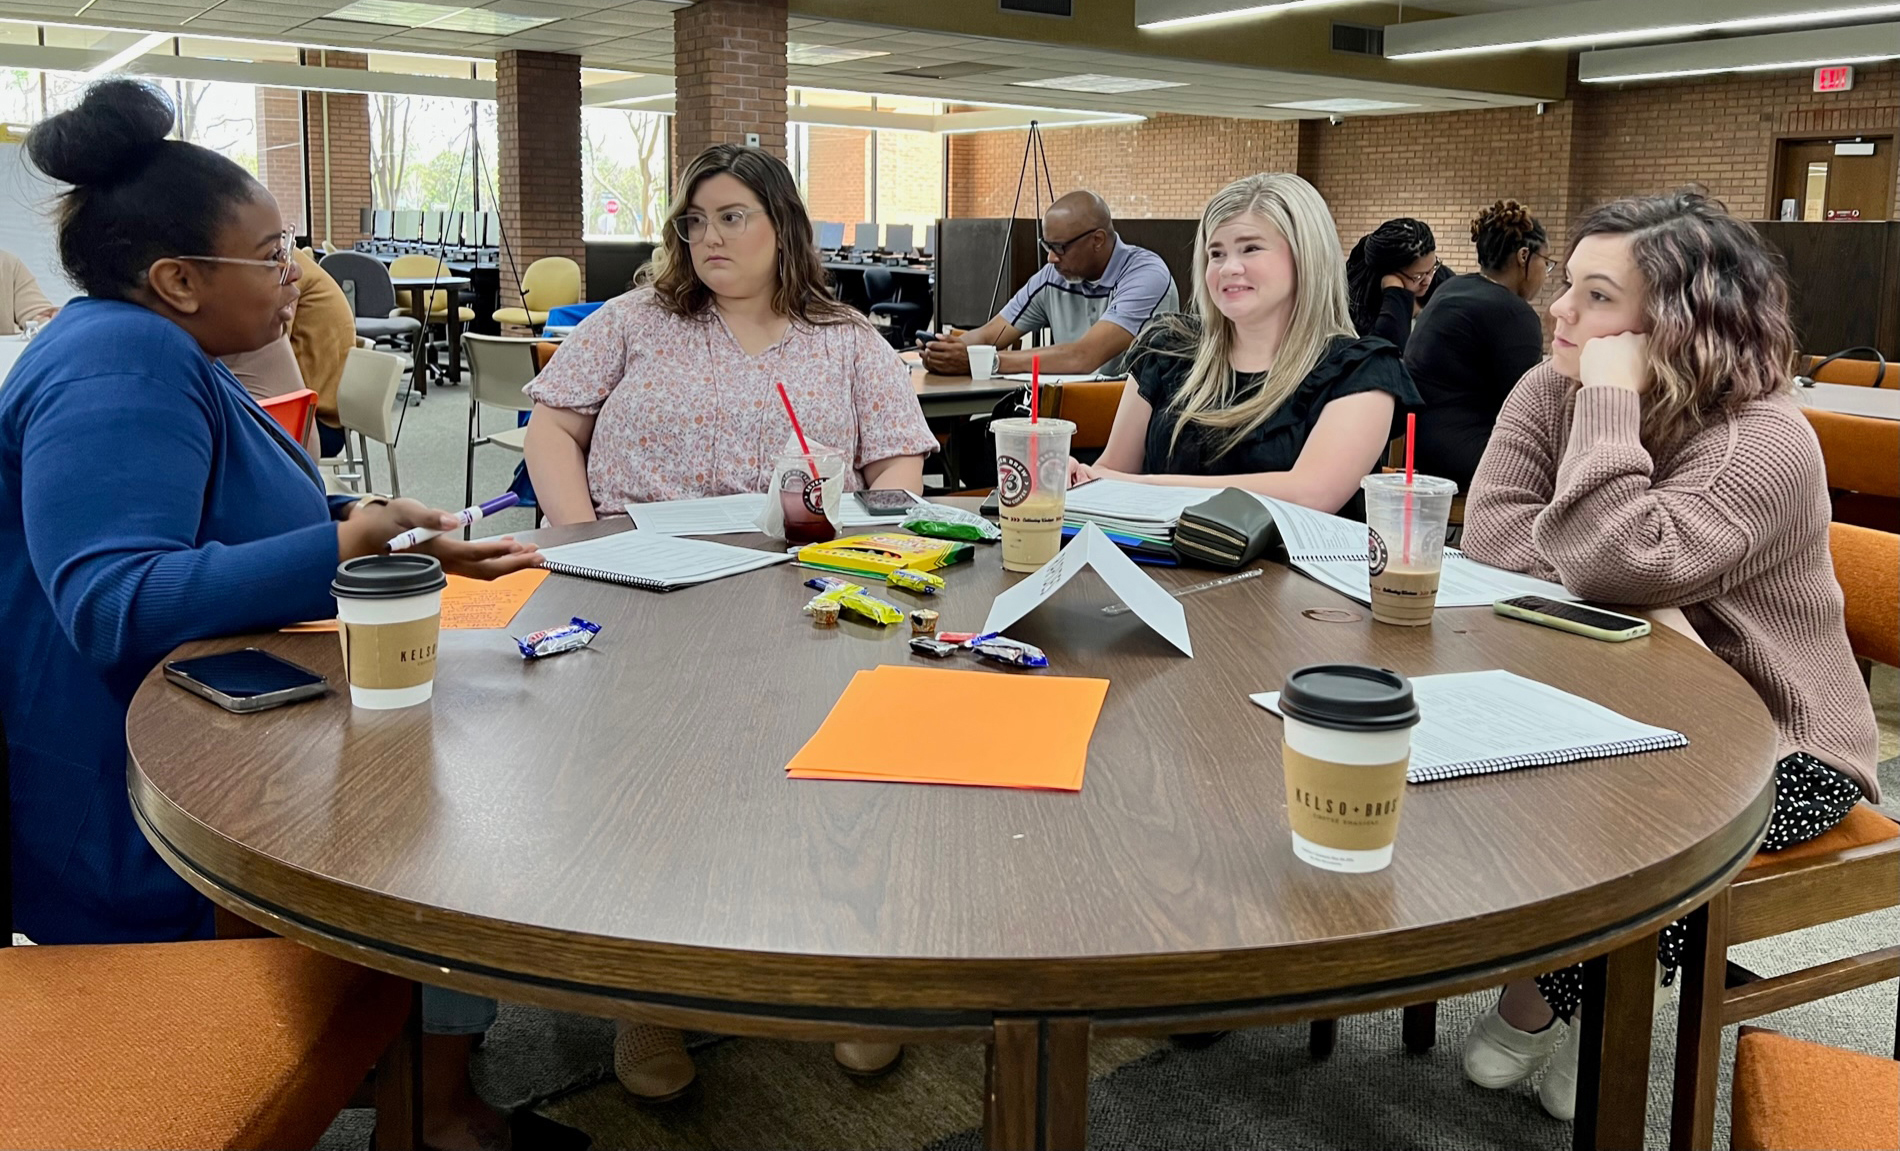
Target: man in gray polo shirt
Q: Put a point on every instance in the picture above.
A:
(1093, 295)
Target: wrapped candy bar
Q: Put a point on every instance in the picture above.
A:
(935, 648)
(923, 583)
(555, 640)
(961, 638)
(1009, 651)
(854, 599)
(948, 523)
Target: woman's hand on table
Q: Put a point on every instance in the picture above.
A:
(371, 526)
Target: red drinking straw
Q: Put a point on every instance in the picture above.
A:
(1412, 428)
(798, 431)
(1035, 387)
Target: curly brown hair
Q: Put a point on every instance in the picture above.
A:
(799, 292)
(1716, 305)
(1502, 230)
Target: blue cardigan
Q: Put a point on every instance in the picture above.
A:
(145, 500)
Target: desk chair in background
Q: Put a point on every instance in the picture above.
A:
(906, 316)
(1088, 404)
(499, 367)
(438, 301)
(226, 1043)
(365, 282)
(365, 398)
(293, 411)
(551, 282)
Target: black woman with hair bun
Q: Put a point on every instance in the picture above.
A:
(1477, 339)
(146, 501)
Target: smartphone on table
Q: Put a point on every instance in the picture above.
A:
(886, 501)
(247, 680)
(1609, 626)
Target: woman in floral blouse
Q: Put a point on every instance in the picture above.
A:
(669, 392)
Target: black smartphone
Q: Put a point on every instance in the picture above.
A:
(992, 505)
(247, 680)
(886, 501)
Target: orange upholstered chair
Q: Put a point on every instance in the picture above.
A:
(1859, 373)
(1792, 1095)
(1863, 466)
(229, 1043)
(1867, 564)
(1088, 404)
(292, 411)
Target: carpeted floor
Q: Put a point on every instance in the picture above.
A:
(1252, 1089)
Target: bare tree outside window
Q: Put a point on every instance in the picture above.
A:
(623, 172)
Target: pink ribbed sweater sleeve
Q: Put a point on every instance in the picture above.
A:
(1517, 476)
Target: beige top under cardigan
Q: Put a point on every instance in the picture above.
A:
(1730, 525)
(20, 296)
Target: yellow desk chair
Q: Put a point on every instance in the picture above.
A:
(551, 282)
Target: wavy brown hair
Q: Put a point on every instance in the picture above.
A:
(1716, 304)
(799, 292)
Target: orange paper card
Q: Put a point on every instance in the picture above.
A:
(1034, 730)
(467, 603)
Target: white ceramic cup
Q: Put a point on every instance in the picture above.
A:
(982, 361)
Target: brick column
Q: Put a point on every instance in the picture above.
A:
(538, 118)
(337, 163)
(280, 152)
(729, 74)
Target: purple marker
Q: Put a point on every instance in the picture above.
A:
(464, 518)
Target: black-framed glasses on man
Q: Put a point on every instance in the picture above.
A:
(280, 258)
(1057, 247)
(731, 223)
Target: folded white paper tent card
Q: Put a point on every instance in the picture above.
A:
(1090, 548)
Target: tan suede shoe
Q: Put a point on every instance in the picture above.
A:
(651, 1062)
(867, 1060)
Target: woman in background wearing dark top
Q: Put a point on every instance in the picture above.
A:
(1264, 386)
(1476, 339)
(1389, 274)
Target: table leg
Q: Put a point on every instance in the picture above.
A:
(1037, 1085)
(419, 307)
(1619, 992)
(1699, 1026)
(455, 342)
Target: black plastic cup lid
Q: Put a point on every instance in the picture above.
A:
(1349, 697)
(388, 577)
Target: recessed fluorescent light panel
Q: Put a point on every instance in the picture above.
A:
(1234, 12)
(1341, 105)
(814, 54)
(455, 18)
(1780, 51)
(1095, 82)
(1606, 22)
(125, 56)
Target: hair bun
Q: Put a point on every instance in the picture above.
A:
(116, 127)
(1509, 216)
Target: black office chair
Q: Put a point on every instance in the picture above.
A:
(365, 281)
(906, 316)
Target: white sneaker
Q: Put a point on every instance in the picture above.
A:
(1557, 1090)
(1498, 1054)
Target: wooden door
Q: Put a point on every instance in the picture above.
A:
(1827, 186)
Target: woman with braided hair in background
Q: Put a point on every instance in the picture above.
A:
(1390, 273)
(1477, 339)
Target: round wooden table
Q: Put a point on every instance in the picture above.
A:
(611, 831)
(419, 288)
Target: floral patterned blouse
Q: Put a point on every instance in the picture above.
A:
(683, 412)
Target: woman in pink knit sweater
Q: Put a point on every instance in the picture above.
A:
(1658, 460)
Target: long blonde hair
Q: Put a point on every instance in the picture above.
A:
(1320, 310)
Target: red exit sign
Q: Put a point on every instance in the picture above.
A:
(1836, 78)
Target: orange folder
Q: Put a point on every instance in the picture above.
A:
(1034, 729)
(469, 603)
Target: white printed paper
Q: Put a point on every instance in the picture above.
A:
(711, 516)
(1130, 502)
(1090, 548)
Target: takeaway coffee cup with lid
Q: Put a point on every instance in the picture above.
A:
(389, 613)
(1348, 739)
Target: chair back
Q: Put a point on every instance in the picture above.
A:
(1867, 564)
(416, 267)
(292, 410)
(551, 282)
(367, 393)
(1858, 373)
(364, 280)
(1859, 452)
(1088, 404)
(499, 367)
(879, 285)
(543, 352)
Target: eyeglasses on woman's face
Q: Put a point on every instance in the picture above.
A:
(1420, 279)
(280, 258)
(730, 223)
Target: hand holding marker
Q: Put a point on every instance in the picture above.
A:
(464, 518)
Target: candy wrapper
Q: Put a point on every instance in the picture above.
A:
(923, 583)
(934, 648)
(923, 621)
(1008, 651)
(948, 523)
(854, 599)
(961, 638)
(555, 640)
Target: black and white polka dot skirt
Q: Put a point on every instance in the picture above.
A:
(1810, 799)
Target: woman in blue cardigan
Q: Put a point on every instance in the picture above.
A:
(146, 500)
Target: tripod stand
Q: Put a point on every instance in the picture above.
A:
(1037, 175)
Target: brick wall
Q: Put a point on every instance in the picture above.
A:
(538, 124)
(1164, 167)
(280, 152)
(729, 73)
(836, 169)
(348, 171)
(909, 184)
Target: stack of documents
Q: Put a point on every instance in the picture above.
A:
(1031, 731)
(1477, 722)
(1332, 550)
(732, 515)
(654, 561)
(1132, 514)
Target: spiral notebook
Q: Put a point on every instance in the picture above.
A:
(1477, 722)
(654, 561)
